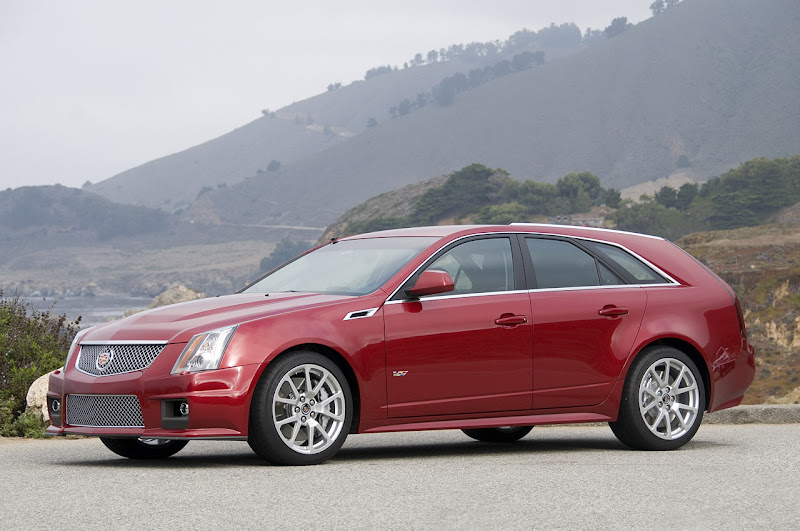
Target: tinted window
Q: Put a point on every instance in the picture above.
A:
(479, 266)
(560, 264)
(626, 261)
(350, 267)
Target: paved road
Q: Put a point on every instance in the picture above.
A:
(729, 477)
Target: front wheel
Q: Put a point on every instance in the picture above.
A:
(662, 401)
(143, 448)
(302, 410)
(502, 435)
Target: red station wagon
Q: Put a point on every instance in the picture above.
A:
(487, 329)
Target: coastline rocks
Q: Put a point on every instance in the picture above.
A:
(172, 295)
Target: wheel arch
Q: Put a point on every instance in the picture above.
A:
(688, 349)
(340, 361)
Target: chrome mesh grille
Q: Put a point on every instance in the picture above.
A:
(105, 360)
(104, 411)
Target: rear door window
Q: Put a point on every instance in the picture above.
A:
(561, 264)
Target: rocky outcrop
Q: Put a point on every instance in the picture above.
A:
(36, 398)
(172, 295)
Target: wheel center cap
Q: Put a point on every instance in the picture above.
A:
(305, 409)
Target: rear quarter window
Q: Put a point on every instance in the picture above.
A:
(638, 270)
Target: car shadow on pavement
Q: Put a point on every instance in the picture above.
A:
(375, 451)
(531, 445)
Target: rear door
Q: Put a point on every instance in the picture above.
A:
(585, 321)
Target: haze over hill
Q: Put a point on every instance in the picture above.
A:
(708, 83)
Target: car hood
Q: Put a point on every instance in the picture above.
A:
(177, 323)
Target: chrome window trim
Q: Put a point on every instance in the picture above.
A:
(369, 312)
(671, 281)
(427, 260)
(638, 257)
(616, 286)
(460, 296)
(613, 231)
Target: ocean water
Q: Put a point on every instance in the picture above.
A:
(92, 310)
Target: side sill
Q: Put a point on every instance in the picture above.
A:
(494, 422)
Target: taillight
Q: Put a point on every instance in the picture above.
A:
(740, 315)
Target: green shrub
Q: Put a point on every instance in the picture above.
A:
(32, 343)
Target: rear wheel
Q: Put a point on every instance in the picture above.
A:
(143, 448)
(662, 401)
(302, 410)
(501, 435)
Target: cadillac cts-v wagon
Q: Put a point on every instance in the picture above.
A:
(487, 329)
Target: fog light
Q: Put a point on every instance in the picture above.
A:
(184, 408)
(55, 405)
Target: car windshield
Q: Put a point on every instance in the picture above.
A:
(348, 267)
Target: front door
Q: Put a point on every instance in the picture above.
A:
(466, 351)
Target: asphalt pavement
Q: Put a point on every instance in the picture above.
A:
(742, 476)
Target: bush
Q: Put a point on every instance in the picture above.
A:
(32, 343)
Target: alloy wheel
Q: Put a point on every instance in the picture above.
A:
(669, 398)
(308, 409)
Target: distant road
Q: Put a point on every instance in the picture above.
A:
(291, 227)
(728, 477)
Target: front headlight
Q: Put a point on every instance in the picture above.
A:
(204, 351)
(74, 346)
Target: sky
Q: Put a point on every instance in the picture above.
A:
(89, 89)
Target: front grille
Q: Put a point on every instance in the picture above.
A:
(104, 411)
(105, 360)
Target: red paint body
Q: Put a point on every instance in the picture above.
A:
(519, 357)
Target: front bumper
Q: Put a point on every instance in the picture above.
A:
(218, 401)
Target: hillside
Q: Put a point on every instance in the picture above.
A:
(57, 241)
(763, 265)
(709, 83)
(306, 128)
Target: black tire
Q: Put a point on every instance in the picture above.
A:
(143, 448)
(499, 435)
(304, 418)
(663, 389)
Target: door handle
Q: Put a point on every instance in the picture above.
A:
(511, 320)
(613, 311)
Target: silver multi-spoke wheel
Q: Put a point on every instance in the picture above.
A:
(669, 398)
(308, 409)
(662, 401)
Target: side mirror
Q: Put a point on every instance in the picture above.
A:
(431, 282)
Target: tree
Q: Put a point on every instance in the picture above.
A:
(445, 92)
(582, 190)
(334, 86)
(686, 194)
(274, 165)
(525, 60)
(618, 25)
(667, 196)
(683, 161)
(657, 7)
(503, 68)
(433, 56)
(404, 107)
(372, 122)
